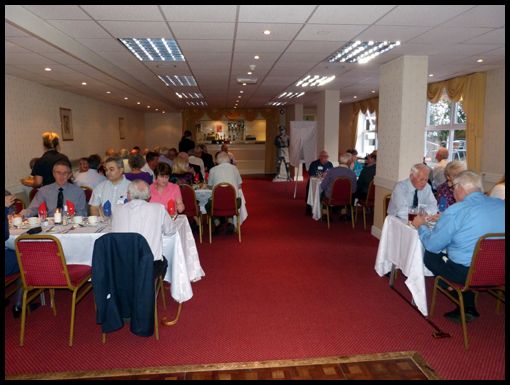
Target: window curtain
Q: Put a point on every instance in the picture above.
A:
(472, 89)
(371, 105)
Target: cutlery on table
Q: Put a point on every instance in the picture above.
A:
(49, 229)
(72, 228)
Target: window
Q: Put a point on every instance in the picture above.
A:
(366, 141)
(445, 127)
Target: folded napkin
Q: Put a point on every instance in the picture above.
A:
(70, 207)
(107, 208)
(171, 207)
(42, 208)
(197, 177)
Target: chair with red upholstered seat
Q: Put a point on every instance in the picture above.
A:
(224, 204)
(88, 192)
(369, 201)
(43, 266)
(341, 195)
(32, 194)
(487, 272)
(191, 209)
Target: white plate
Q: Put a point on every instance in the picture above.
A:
(29, 226)
(89, 224)
(52, 231)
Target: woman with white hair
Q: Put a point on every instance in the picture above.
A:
(498, 190)
(445, 189)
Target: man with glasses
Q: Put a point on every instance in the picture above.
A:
(56, 194)
(413, 192)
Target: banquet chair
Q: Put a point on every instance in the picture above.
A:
(341, 195)
(191, 208)
(369, 201)
(43, 266)
(88, 192)
(9, 280)
(486, 272)
(122, 263)
(32, 193)
(19, 204)
(386, 203)
(224, 204)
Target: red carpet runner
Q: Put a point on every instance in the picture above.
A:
(292, 289)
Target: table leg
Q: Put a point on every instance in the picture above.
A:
(392, 275)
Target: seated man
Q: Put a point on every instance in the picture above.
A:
(343, 169)
(437, 175)
(163, 156)
(193, 159)
(193, 168)
(56, 194)
(459, 228)
(224, 172)
(321, 165)
(148, 219)
(365, 177)
(114, 189)
(413, 192)
(90, 178)
(201, 152)
(231, 158)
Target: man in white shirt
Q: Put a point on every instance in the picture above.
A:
(224, 172)
(90, 178)
(438, 177)
(196, 161)
(163, 156)
(114, 189)
(148, 219)
(231, 158)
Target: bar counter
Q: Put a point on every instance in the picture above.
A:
(249, 154)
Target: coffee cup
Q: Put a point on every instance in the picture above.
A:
(17, 221)
(33, 221)
(92, 219)
(78, 219)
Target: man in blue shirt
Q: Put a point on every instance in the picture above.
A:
(321, 166)
(459, 228)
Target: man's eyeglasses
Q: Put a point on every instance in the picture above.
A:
(455, 185)
(60, 173)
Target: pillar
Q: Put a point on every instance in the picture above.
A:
(294, 113)
(328, 123)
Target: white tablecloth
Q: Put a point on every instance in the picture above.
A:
(401, 245)
(204, 195)
(314, 197)
(179, 249)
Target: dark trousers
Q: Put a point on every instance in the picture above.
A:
(160, 267)
(451, 271)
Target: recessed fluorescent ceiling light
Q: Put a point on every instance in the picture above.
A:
(316, 80)
(178, 80)
(361, 51)
(197, 103)
(189, 95)
(275, 103)
(290, 95)
(154, 49)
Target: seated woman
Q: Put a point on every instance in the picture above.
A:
(498, 190)
(180, 172)
(162, 191)
(355, 166)
(136, 162)
(446, 189)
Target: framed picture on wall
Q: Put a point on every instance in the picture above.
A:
(66, 123)
(122, 128)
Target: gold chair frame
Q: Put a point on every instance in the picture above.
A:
(370, 186)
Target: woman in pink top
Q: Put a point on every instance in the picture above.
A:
(162, 190)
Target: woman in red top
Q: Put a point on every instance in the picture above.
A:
(162, 190)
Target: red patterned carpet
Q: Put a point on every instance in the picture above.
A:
(291, 290)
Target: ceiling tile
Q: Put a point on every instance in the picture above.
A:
(496, 36)
(349, 14)
(481, 16)
(275, 13)
(46, 12)
(205, 45)
(103, 45)
(204, 12)
(32, 43)
(258, 46)
(137, 29)
(203, 30)
(387, 33)
(330, 32)
(142, 12)
(326, 47)
(80, 28)
(255, 31)
(422, 15)
(450, 35)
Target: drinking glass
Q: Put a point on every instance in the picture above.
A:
(413, 212)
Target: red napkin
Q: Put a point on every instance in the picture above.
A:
(42, 208)
(206, 177)
(171, 207)
(70, 207)
(197, 176)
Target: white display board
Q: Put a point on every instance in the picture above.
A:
(303, 142)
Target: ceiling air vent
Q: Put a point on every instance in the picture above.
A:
(247, 80)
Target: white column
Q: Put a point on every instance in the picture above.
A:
(328, 123)
(294, 113)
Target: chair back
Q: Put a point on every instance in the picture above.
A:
(42, 261)
(341, 192)
(386, 203)
(32, 193)
(19, 204)
(370, 201)
(224, 201)
(88, 192)
(487, 268)
(190, 200)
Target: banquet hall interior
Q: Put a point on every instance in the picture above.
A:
(293, 291)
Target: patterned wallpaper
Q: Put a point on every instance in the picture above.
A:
(493, 150)
(32, 109)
